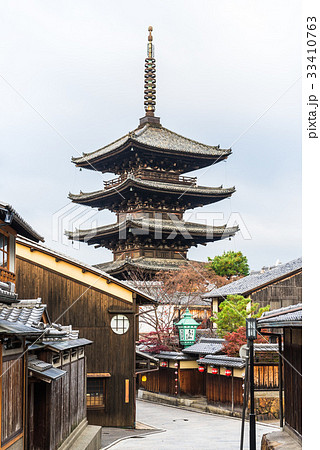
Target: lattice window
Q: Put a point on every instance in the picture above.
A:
(120, 324)
(4, 250)
(95, 392)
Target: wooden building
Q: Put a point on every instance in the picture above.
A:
(13, 368)
(53, 365)
(151, 193)
(104, 310)
(287, 322)
(201, 370)
(42, 365)
(11, 223)
(278, 287)
(13, 361)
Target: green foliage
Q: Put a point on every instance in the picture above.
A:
(229, 264)
(233, 313)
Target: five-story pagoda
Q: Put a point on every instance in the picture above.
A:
(151, 194)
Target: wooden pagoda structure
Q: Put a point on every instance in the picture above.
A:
(151, 193)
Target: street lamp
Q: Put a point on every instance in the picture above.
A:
(251, 328)
(187, 327)
(251, 334)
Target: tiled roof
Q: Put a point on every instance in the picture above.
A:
(131, 180)
(266, 347)
(43, 369)
(7, 294)
(141, 263)
(225, 361)
(206, 346)
(157, 224)
(19, 224)
(26, 316)
(192, 299)
(18, 328)
(252, 282)
(62, 344)
(287, 316)
(178, 356)
(156, 137)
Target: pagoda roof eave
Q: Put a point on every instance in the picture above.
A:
(189, 230)
(157, 139)
(173, 188)
(143, 263)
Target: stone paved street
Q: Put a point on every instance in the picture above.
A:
(184, 429)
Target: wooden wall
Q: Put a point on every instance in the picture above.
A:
(281, 294)
(293, 378)
(12, 393)
(89, 312)
(160, 381)
(219, 389)
(192, 382)
(266, 377)
(56, 409)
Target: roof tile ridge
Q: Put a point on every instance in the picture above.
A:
(22, 221)
(216, 147)
(139, 131)
(85, 193)
(185, 186)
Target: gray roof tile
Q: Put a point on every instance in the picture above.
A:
(287, 316)
(157, 137)
(206, 346)
(251, 282)
(225, 361)
(158, 185)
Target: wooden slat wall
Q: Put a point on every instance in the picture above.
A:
(162, 380)
(12, 398)
(58, 407)
(266, 377)
(152, 382)
(219, 389)
(192, 382)
(292, 378)
(284, 293)
(89, 314)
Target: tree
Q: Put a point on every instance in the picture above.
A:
(233, 313)
(238, 338)
(173, 290)
(229, 264)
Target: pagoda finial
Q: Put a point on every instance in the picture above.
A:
(150, 78)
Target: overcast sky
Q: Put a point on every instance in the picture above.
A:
(228, 73)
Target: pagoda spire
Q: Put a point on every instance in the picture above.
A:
(150, 78)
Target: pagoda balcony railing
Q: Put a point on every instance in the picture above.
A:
(152, 176)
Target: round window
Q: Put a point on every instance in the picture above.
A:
(120, 324)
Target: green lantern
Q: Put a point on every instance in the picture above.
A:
(187, 327)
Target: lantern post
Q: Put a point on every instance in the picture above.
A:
(187, 327)
(251, 334)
